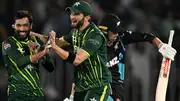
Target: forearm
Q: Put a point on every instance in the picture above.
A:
(37, 56)
(62, 53)
(156, 42)
(43, 38)
(75, 59)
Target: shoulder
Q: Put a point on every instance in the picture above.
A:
(9, 40)
(8, 43)
(95, 31)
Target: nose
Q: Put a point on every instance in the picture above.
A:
(21, 28)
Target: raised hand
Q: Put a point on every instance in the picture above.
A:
(52, 38)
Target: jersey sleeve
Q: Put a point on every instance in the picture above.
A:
(48, 63)
(93, 43)
(132, 37)
(12, 52)
(68, 37)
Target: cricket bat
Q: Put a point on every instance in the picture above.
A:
(164, 74)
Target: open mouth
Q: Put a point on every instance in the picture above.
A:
(74, 22)
(22, 33)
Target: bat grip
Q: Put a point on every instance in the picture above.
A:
(171, 37)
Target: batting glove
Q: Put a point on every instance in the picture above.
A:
(167, 51)
(66, 99)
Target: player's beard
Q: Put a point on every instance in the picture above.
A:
(22, 35)
(79, 24)
(109, 43)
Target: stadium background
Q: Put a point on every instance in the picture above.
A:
(142, 59)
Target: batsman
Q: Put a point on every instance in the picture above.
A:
(117, 40)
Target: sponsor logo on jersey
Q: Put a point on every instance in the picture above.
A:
(115, 60)
(93, 41)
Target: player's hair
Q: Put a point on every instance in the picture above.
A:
(21, 14)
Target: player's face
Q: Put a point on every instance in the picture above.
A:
(111, 37)
(22, 28)
(77, 20)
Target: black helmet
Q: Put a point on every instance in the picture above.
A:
(110, 22)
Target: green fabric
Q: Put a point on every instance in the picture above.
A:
(92, 72)
(24, 79)
(95, 94)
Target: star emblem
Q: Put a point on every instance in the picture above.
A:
(118, 23)
(93, 99)
(77, 3)
(21, 50)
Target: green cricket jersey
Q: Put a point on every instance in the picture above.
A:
(23, 75)
(92, 72)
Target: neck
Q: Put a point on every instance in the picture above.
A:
(84, 26)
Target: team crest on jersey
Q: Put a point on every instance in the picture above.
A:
(7, 46)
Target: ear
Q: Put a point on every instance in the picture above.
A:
(31, 26)
(87, 18)
(13, 26)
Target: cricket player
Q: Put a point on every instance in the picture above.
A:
(117, 41)
(92, 77)
(21, 54)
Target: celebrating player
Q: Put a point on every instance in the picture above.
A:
(89, 56)
(22, 53)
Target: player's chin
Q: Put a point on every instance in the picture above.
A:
(73, 25)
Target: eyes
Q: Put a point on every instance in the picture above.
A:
(22, 25)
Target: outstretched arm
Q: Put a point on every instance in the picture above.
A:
(75, 59)
(132, 37)
(44, 38)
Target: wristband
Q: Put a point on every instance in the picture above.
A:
(71, 58)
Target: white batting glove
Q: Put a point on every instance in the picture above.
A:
(66, 99)
(167, 51)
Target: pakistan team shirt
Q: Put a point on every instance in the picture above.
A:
(92, 72)
(23, 75)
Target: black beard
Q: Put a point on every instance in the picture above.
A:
(21, 38)
(80, 23)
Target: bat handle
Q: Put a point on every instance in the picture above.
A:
(171, 37)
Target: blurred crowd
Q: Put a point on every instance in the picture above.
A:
(142, 61)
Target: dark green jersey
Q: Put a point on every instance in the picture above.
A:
(23, 75)
(92, 72)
